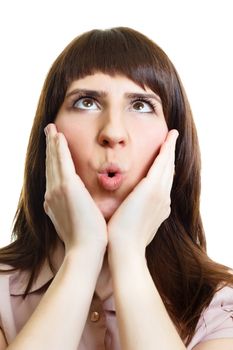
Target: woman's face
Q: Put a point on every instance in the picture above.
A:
(114, 130)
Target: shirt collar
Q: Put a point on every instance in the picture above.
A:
(19, 279)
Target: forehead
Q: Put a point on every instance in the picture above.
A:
(108, 83)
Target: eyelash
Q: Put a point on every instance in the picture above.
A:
(146, 100)
(141, 99)
(80, 97)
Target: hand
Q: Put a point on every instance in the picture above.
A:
(75, 216)
(136, 221)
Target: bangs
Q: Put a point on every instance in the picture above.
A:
(114, 51)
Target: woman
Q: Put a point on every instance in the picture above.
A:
(109, 249)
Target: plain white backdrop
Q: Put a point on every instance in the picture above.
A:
(196, 35)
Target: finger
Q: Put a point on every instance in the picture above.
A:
(169, 144)
(64, 158)
(171, 152)
(166, 157)
(169, 167)
(47, 159)
(171, 163)
(52, 172)
(66, 164)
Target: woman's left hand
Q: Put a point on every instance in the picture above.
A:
(136, 221)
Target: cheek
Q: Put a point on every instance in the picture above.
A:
(153, 140)
(76, 134)
(149, 148)
(68, 129)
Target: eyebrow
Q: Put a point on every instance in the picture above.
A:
(103, 94)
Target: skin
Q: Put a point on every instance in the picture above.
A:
(134, 221)
(132, 136)
(138, 208)
(113, 128)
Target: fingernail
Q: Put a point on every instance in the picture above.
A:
(177, 132)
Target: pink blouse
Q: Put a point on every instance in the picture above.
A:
(101, 331)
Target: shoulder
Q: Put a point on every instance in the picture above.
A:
(18, 279)
(5, 300)
(11, 279)
(219, 314)
(6, 271)
(15, 308)
(216, 320)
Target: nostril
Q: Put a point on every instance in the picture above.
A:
(104, 142)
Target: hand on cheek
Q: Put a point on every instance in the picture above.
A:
(138, 218)
(69, 205)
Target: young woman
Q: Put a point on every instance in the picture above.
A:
(109, 250)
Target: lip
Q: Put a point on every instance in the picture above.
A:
(107, 182)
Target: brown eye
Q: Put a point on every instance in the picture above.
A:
(85, 103)
(142, 106)
(138, 105)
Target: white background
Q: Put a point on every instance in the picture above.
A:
(197, 36)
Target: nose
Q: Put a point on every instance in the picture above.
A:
(113, 133)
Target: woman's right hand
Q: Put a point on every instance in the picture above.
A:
(76, 218)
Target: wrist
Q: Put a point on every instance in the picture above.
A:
(98, 248)
(93, 256)
(123, 255)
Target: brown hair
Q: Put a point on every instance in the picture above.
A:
(185, 276)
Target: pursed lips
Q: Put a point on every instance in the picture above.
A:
(110, 177)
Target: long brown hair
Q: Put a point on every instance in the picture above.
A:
(185, 276)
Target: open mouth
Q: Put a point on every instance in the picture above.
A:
(110, 181)
(111, 174)
(110, 177)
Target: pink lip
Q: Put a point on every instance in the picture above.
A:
(110, 183)
(107, 182)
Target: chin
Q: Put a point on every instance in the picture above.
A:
(107, 217)
(107, 213)
(108, 207)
